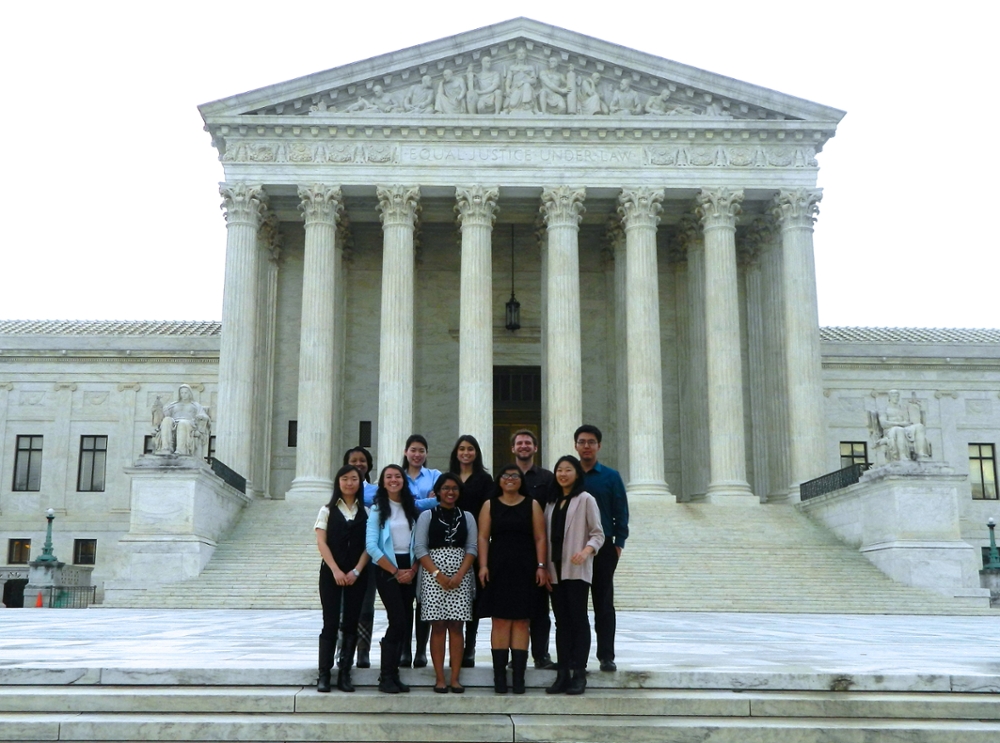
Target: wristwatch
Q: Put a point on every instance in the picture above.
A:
(356, 573)
(541, 564)
(435, 574)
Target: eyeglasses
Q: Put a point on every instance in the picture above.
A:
(449, 489)
(586, 442)
(510, 476)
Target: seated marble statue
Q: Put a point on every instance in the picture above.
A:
(589, 98)
(485, 94)
(519, 85)
(451, 92)
(381, 102)
(658, 105)
(901, 431)
(420, 97)
(181, 427)
(554, 89)
(625, 101)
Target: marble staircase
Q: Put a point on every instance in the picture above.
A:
(679, 557)
(611, 712)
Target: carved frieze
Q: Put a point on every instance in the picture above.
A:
(519, 79)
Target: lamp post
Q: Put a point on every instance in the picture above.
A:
(513, 307)
(994, 563)
(47, 555)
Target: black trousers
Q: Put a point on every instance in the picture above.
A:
(603, 594)
(541, 625)
(335, 599)
(397, 600)
(569, 605)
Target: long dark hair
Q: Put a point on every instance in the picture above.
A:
(338, 494)
(477, 464)
(368, 457)
(405, 496)
(414, 438)
(504, 470)
(578, 484)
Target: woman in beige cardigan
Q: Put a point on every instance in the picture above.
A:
(575, 534)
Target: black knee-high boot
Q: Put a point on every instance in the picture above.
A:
(389, 668)
(520, 659)
(347, 645)
(423, 632)
(469, 656)
(326, 652)
(500, 671)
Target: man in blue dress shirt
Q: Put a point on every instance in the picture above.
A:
(606, 485)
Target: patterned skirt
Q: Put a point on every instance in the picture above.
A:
(437, 604)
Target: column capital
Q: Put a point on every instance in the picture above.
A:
(797, 207)
(754, 240)
(321, 203)
(562, 206)
(615, 233)
(477, 205)
(686, 238)
(398, 205)
(719, 207)
(243, 203)
(640, 207)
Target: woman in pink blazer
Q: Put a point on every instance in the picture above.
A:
(575, 534)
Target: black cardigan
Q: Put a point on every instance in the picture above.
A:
(346, 539)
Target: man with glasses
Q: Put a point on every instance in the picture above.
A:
(606, 485)
(537, 484)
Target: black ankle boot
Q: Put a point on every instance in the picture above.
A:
(520, 658)
(500, 671)
(578, 683)
(325, 664)
(423, 632)
(561, 683)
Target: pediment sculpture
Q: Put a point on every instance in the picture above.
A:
(526, 85)
(899, 431)
(182, 427)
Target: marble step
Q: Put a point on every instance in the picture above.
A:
(482, 728)
(479, 701)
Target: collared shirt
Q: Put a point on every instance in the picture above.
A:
(323, 517)
(538, 484)
(421, 487)
(370, 490)
(606, 485)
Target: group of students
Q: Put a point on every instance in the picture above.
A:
(420, 536)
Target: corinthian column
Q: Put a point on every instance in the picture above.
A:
(639, 209)
(616, 244)
(796, 212)
(398, 206)
(562, 207)
(321, 208)
(245, 208)
(726, 447)
(477, 207)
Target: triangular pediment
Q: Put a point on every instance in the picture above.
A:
(519, 68)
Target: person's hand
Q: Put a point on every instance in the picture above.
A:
(542, 577)
(404, 577)
(339, 577)
(619, 552)
(349, 578)
(484, 576)
(580, 557)
(443, 580)
(454, 582)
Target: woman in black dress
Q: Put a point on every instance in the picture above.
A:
(340, 536)
(512, 555)
(477, 487)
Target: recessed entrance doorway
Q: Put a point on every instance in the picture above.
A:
(517, 403)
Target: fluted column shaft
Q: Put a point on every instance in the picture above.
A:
(694, 405)
(639, 209)
(270, 252)
(616, 238)
(775, 386)
(749, 252)
(476, 209)
(726, 445)
(562, 208)
(321, 207)
(245, 208)
(796, 212)
(398, 206)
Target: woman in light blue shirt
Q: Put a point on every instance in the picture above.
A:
(421, 481)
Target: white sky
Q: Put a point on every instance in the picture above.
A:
(110, 184)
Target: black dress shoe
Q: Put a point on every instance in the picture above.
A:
(608, 666)
(545, 663)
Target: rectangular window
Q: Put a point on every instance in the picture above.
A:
(28, 464)
(84, 551)
(18, 551)
(853, 452)
(93, 461)
(983, 471)
(293, 434)
(365, 434)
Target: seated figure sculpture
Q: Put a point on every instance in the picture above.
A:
(899, 431)
(181, 427)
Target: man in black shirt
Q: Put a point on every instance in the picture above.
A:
(538, 483)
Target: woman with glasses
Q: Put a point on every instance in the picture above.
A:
(444, 543)
(575, 535)
(512, 554)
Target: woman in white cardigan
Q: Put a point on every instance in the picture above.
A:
(575, 534)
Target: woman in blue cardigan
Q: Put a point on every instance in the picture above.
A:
(390, 546)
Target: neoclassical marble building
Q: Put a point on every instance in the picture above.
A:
(654, 221)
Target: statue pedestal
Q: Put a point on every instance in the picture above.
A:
(46, 577)
(904, 517)
(179, 509)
